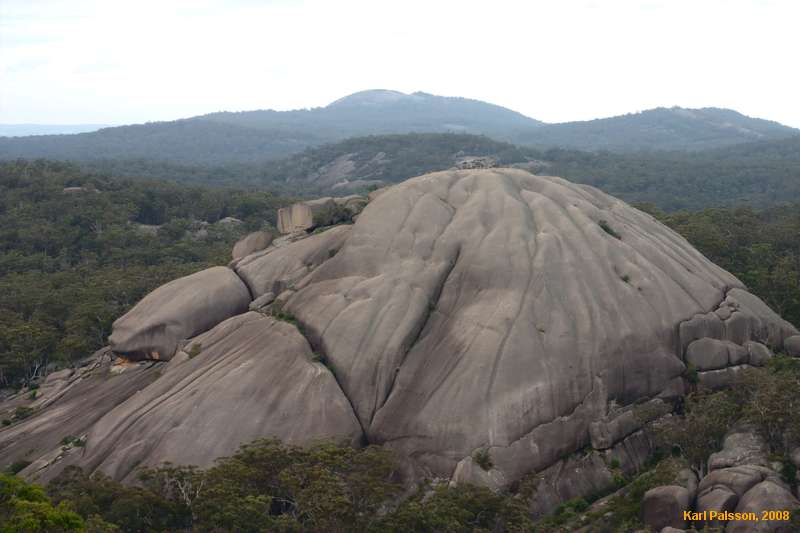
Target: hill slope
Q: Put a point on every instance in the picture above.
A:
(257, 136)
(663, 128)
(223, 138)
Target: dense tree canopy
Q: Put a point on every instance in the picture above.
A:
(72, 261)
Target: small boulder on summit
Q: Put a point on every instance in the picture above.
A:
(310, 214)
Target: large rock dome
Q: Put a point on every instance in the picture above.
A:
(468, 310)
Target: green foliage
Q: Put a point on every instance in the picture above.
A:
(22, 412)
(769, 401)
(194, 350)
(483, 459)
(608, 229)
(270, 486)
(70, 264)
(454, 510)
(17, 466)
(760, 248)
(24, 508)
(708, 416)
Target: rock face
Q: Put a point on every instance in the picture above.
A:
(469, 310)
(253, 242)
(322, 212)
(181, 309)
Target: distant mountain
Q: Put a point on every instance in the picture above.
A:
(250, 136)
(663, 128)
(257, 136)
(22, 130)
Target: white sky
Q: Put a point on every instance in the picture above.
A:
(124, 61)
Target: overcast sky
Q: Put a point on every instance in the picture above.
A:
(117, 61)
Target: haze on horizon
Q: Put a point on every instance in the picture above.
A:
(90, 61)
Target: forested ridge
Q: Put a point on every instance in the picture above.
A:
(759, 174)
(72, 261)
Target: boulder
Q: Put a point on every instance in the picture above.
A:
(664, 507)
(476, 309)
(757, 353)
(181, 309)
(713, 354)
(311, 214)
(792, 345)
(279, 268)
(577, 476)
(261, 369)
(253, 242)
(722, 378)
(737, 479)
(769, 495)
(742, 446)
(718, 499)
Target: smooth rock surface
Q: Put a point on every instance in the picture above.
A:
(664, 506)
(253, 377)
(464, 310)
(279, 268)
(491, 308)
(766, 496)
(181, 309)
(252, 242)
(792, 345)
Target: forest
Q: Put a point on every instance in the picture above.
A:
(78, 248)
(759, 174)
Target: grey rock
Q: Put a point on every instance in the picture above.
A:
(713, 354)
(72, 407)
(664, 506)
(251, 365)
(464, 309)
(737, 479)
(279, 268)
(181, 309)
(253, 242)
(577, 476)
(262, 301)
(311, 214)
(741, 446)
(792, 345)
(722, 378)
(766, 496)
(757, 353)
(464, 281)
(718, 499)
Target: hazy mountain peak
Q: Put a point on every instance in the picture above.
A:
(371, 97)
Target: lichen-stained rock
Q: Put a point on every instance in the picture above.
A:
(494, 308)
(250, 243)
(181, 309)
(251, 377)
(279, 267)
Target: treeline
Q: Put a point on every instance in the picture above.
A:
(760, 174)
(266, 486)
(77, 250)
(760, 247)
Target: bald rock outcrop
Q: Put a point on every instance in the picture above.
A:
(491, 311)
